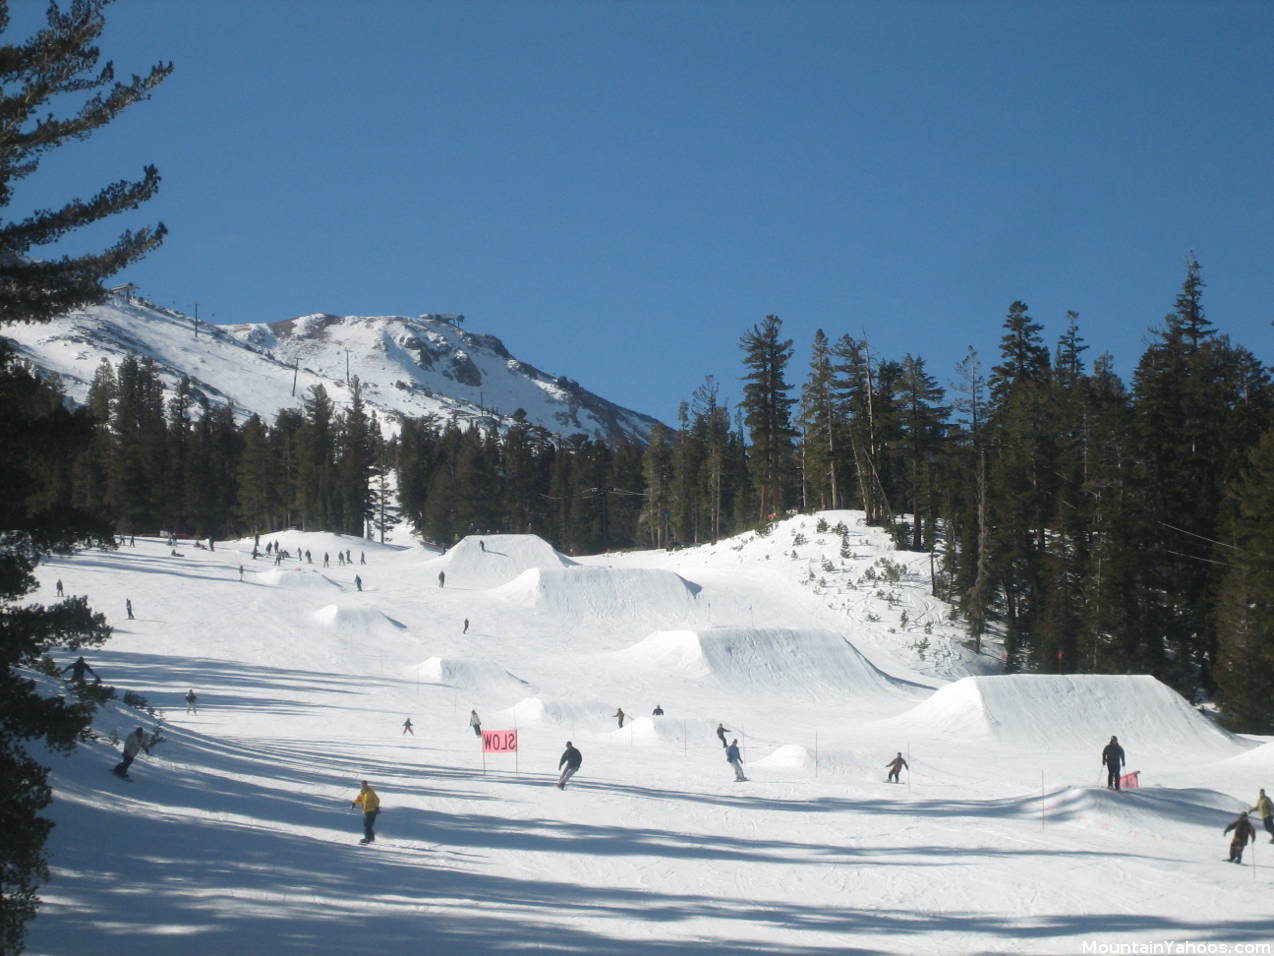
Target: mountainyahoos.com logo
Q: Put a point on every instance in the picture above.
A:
(1172, 947)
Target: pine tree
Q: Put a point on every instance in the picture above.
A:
(921, 416)
(822, 424)
(53, 69)
(1244, 666)
(767, 412)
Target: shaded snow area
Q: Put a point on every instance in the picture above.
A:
(822, 652)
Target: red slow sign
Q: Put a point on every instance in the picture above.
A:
(499, 741)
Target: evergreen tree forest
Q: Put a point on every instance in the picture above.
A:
(1095, 525)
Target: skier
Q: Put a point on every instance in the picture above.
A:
(241, 572)
(619, 715)
(326, 558)
(1243, 833)
(340, 558)
(482, 546)
(77, 670)
(370, 803)
(466, 626)
(571, 759)
(735, 760)
(128, 606)
(358, 582)
(657, 712)
(895, 766)
(191, 698)
(1112, 758)
(407, 727)
(59, 587)
(308, 559)
(442, 579)
(722, 730)
(1265, 810)
(132, 743)
(362, 557)
(475, 723)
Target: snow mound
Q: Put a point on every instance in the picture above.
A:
(295, 578)
(357, 620)
(588, 714)
(787, 757)
(1065, 711)
(605, 593)
(1146, 808)
(489, 561)
(816, 663)
(473, 674)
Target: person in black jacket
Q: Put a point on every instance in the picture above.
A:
(1112, 757)
(571, 760)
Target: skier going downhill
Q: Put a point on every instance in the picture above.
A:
(370, 803)
(570, 762)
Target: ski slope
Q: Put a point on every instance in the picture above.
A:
(237, 836)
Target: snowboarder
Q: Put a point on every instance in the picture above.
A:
(619, 715)
(657, 712)
(370, 803)
(78, 668)
(482, 546)
(475, 723)
(571, 759)
(722, 730)
(1112, 758)
(442, 579)
(241, 572)
(191, 698)
(362, 557)
(466, 626)
(308, 559)
(407, 727)
(132, 743)
(895, 766)
(735, 760)
(59, 587)
(128, 606)
(326, 559)
(1243, 833)
(349, 558)
(358, 582)
(340, 558)
(1265, 810)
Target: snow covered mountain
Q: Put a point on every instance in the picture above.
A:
(408, 366)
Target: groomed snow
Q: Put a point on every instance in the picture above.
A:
(237, 835)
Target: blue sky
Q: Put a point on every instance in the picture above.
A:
(620, 190)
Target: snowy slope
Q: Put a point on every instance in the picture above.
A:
(237, 834)
(410, 366)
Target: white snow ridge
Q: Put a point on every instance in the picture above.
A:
(236, 834)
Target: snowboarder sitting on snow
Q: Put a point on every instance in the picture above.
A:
(1243, 833)
(895, 766)
(475, 723)
(1265, 810)
(1112, 757)
(735, 760)
(619, 714)
(370, 803)
(132, 743)
(571, 759)
(78, 668)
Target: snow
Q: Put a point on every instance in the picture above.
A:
(237, 835)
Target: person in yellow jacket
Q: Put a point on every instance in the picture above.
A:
(1265, 810)
(370, 803)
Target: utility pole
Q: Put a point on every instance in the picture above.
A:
(295, 369)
